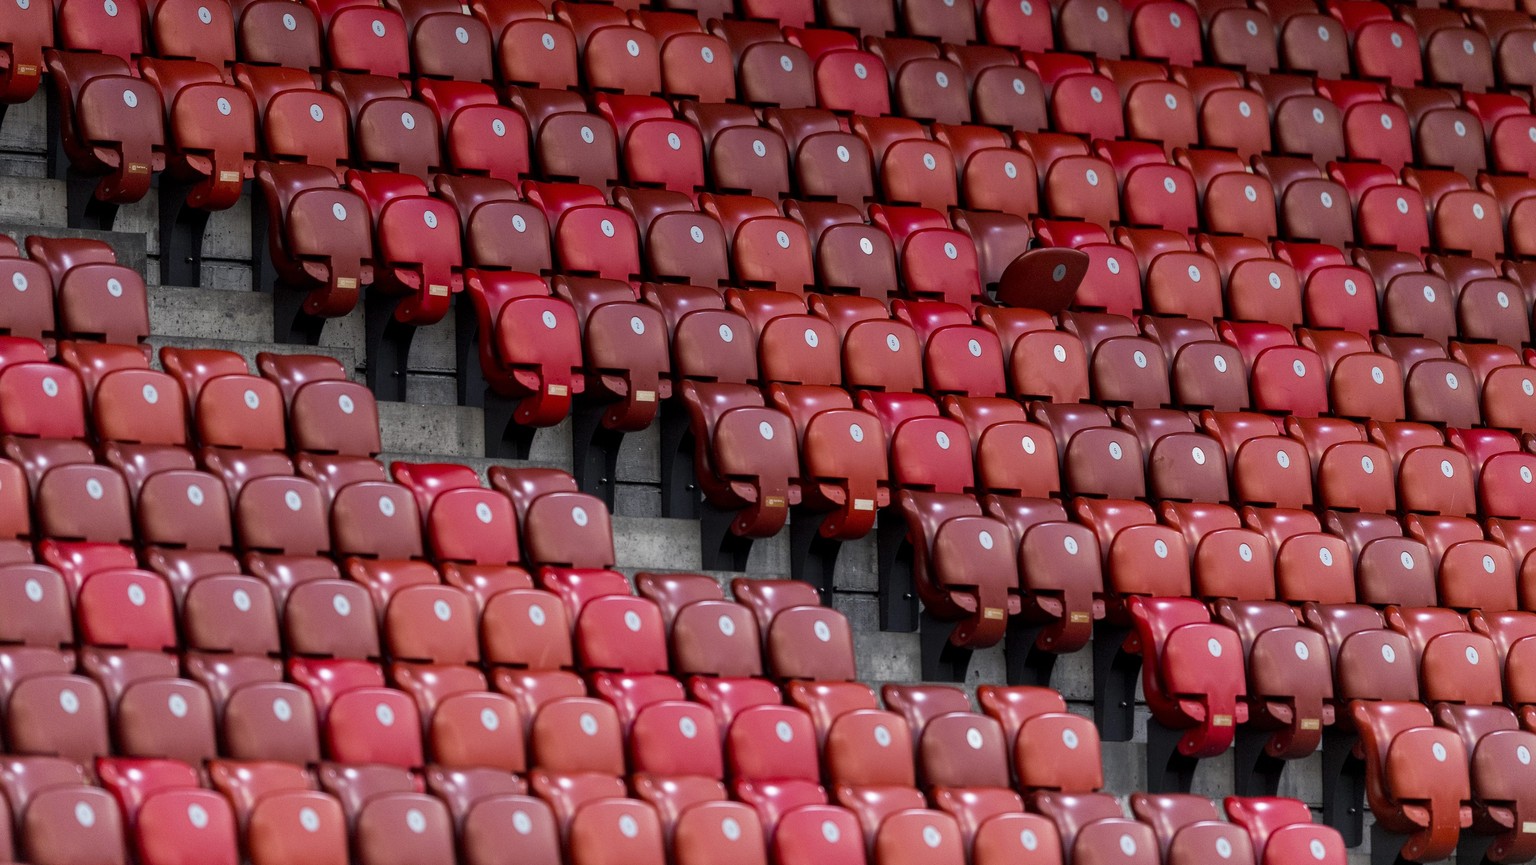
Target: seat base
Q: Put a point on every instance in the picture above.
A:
(1344, 787)
(388, 346)
(182, 227)
(1114, 682)
(1254, 771)
(812, 557)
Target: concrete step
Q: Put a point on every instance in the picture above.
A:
(245, 315)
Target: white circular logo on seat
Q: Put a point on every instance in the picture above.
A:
(1350, 288)
(607, 227)
(1028, 839)
(1160, 547)
(829, 831)
(50, 387)
(1115, 451)
(1169, 185)
(536, 615)
(19, 281)
(69, 701)
(786, 63)
(1451, 381)
(730, 829)
(196, 814)
(309, 820)
(1377, 375)
(1439, 751)
(1472, 656)
(549, 319)
(339, 211)
(842, 154)
(1244, 551)
(489, 719)
(378, 27)
(281, 710)
(588, 135)
(707, 53)
(519, 224)
(765, 429)
(1317, 115)
(415, 821)
(636, 325)
(1127, 845)
(1317, 849)
(696, 233)
(1242, 107)
(1326, 199)
(687, 727)
(929, 162)
(136, 595)
(114, 288)
(673, 141)
(1069, 738)
(1325, 556)
(1523, 754)
(1220, 363)
(860, 72)
(1299, 368)
(1058, 273)
(727, 626)
(483, 513)
(1018, 87)
(1477, 210)
(178, 705)
(1114, 263)
(783, 239)
(1213, 646)
(344, 402)
(252, 401)
(1503, 299)
(1059, 352)
(241, 599)
(942, 440)
(632, 620)
(1010, 170)
(1386, 122)
(224, 106)
(1525, 474)
(931, 836)
(856, 432)
(1402, 205)
(1388, 655)
(1466, 45)
(441, 610)
(1223, 848)
(1407, 559)
(386, 506)
(384, 714)
(84, 814)
(1140, 358)
(811, 339)
(289, 22)
(499, 128)
(882, 736)
(548, 40)
(892, 343)
(1070, 545)
(150, 393)
(587, 723)
(985, 539)
(579, 515)
(974, 348)
(822, 632)
(1092, 177)
(341, 605)
(1322, 34)
(1429, 293)
(726, 334)
(1102, 13)
(785, 732)
(974, 739)
(1096, 94)
(292, 500)
(34, 591)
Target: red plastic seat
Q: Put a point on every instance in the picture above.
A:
(1416, 779)
(319, 234)
(113, 123)
(1281, 829)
